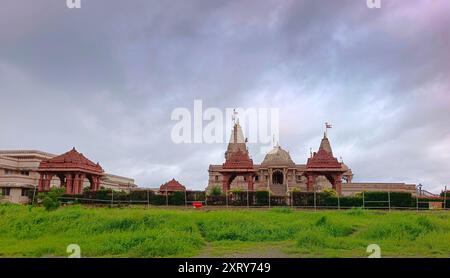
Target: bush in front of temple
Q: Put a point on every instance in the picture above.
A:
(177, 198)
(50, 199)
(262, 197)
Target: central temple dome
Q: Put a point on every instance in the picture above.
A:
(277, 157)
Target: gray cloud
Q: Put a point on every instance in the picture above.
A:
(106, 77)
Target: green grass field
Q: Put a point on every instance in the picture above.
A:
(155, 232)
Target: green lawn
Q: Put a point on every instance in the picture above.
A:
(155, 232)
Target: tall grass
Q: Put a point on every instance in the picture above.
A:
(137, 232)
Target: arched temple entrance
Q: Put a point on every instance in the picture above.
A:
(72, 169)
(277, 177)
(228, 178)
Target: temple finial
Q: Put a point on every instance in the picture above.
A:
(233, 117)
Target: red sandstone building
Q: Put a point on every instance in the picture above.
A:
(72, 169)
(171, 186)
(279, 174)
(22, 171)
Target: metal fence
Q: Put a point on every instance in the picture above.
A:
(261, 199)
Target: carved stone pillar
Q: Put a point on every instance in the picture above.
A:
(81, 182)
(69, 184)
(225, 185)
(48, 181)
(41, 182)
(250, 182)
(95, 183)
(337, 184)
(45, 182)
(294, 176)
(270, 177)
(310, 182)
(99, 182)
(76, 184)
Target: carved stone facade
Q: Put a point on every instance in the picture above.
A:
(279, 174)
(72, 168)
(171, 186)
(20, 173)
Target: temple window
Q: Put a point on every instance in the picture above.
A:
(5, 191)
(24, 192)
(277, 177)
(216, 178)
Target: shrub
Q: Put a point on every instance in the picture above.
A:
(102, 194)
(141, 195)
(215, 191)
(278, 201)
(121, 196)
(262, 197)
(177, 198)
(50, 199)
(306, 199)
(380, 199)
(216, 200)
(238, 198)
(330, 192)
(158, 200)
(401, 199)
(303, 199)
(195, 195)
(351, 201)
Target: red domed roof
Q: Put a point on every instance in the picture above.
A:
(71, 161)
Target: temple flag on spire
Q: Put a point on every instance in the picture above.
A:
(327, 126)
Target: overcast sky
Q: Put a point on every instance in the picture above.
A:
(105, 79)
